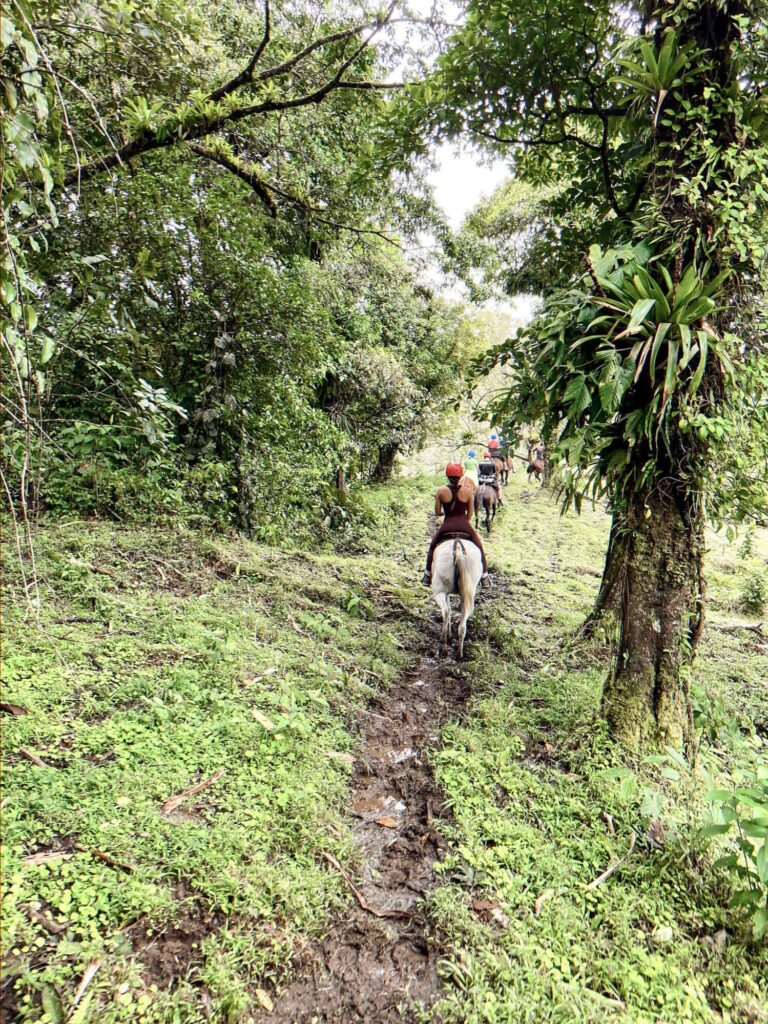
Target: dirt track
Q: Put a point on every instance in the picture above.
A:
(369, 968)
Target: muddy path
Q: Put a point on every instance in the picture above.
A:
(374, 962)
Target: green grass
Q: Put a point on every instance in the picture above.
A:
(543, 803)
(188, 655)
(182, 657)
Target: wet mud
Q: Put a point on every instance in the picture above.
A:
(379, 957)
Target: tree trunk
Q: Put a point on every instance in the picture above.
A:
(608, 598)
(340, 480)
(386, 463)
(646, 699)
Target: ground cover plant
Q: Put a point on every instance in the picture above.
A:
(168, 656)
(164, 659)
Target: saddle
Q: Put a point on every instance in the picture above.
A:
(487, 474)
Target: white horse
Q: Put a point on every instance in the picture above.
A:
(457, 568)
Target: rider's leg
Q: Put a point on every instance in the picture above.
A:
(427, 577)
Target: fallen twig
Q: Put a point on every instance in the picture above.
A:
(34, 758)
(45, 857)
(92, 567)
(358, 895)
(608, 819)
(100, 855)
(173, 801)
(51, 926)
(88, 976)
(733, 627)
(613, 868)
(77, 618)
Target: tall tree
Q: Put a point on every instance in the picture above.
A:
(653, 115)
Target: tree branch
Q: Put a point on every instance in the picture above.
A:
(317, 213)
(150, 141)
(240, 170)
(263, 188)
(246, 74)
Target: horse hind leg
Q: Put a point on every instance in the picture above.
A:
(467, 607)
(444, 604)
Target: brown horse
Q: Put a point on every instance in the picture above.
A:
(505, 465)
(500, 463)
(487, 498)
(536, 464)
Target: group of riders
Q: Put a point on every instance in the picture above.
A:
(456, 499)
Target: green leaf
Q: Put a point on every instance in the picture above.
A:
(52, 1004)
(714, 830)
(671, 374)
(661, 332)
(640, 311)
(746, 898)
(717, 796)
(30, 317)
(703, 351)
(49, 347)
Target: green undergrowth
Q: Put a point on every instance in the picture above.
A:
(165, 657)
(543, 804)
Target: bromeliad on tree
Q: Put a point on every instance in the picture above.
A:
(652, 121)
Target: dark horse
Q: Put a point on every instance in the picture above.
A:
(486, 497)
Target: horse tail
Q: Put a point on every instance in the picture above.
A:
(457, 546)
(462, 582)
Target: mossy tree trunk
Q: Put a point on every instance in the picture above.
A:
(386, 461)
(608, 598)
(646, 698)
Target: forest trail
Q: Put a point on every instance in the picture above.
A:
(313, 681)
(378, 955)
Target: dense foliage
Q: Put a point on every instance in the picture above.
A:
(227, 324)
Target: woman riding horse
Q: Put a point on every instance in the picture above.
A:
(454, 501)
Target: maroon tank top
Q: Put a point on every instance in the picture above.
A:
(456, 508)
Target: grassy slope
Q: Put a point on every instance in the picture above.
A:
(202, 655)
(188, 657)
(532, 779)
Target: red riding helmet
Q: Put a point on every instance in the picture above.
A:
(454, 469)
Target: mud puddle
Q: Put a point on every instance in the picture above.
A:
(375, 962)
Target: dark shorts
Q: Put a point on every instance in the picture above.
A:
(455, 526)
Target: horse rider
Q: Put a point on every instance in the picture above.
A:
(454, 500)
(488, 475)
(470, 467)
(494, 444)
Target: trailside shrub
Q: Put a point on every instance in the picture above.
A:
(754, 593)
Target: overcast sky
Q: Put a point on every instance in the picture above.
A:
(462, 179)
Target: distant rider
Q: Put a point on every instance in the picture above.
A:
(455, 501)
(489, 475)
(494, 444)
(470, 467)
